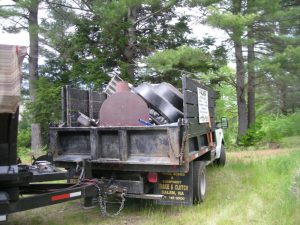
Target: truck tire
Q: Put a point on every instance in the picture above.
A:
(222, 160)
(199, 181)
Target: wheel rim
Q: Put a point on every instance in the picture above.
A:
(202, 183)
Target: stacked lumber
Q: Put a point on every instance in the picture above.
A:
(11, 58)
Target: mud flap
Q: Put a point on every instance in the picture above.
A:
(4, 204)
(177, 188)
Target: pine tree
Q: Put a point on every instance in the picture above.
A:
(111, 37)
(24, 15)
(231, 16)
(277, 32)
(265, 30)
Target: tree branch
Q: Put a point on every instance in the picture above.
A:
(17, 22)
(152, 14)
(7, 5)
(87, 5)
(66, 6)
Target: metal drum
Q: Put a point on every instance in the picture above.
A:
(160, 102)
(170, 93)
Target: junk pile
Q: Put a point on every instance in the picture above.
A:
(144, 105)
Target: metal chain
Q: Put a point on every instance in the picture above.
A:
(181, 151)
(103, 203)
(103, 200)
(184, 140)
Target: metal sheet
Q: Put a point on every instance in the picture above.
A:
(123, 109)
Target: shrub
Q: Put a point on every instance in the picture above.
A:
(24, 136)
(271, 129)
(277, 127)
(254, 135)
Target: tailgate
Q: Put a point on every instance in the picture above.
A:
(157, 145)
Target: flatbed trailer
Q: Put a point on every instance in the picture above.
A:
(20, 185)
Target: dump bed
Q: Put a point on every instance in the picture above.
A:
(118, 145)
(143, 148)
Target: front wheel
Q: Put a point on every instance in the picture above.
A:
(222, 160)
(199, 181)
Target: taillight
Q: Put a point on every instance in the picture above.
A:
(152, 177)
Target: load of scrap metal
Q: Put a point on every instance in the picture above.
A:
(11, 58)
(144, 105)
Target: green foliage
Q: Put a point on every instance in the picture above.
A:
(23, 145)
(24, 154)
(254, 135)
(24, 121)
(89, 43)
(274, 30)
(278, 71)
(16, 15)
(99, 43)
(24, 136)
(277, 127)
(47, 105)
(170, 65)
(226, 102)
(183, 58)
(281, 62)
(272, 129)
(235, 24)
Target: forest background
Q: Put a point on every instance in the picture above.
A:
(83, 43)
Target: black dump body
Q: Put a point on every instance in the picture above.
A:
(9, 172)
(163, 148)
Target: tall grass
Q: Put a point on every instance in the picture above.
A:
(252, 191)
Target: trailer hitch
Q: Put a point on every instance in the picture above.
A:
(106, 189)
(106, 192)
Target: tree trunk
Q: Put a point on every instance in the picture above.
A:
(251, 70)
(240, 91)
(251, 81)
(36, 137)
(282, 87)
(130, 49)
(240, 74)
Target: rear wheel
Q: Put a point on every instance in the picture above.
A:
(222, 160)
(199, 181)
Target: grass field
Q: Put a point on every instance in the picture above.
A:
(250, 189)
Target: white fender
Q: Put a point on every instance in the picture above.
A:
(219, 138)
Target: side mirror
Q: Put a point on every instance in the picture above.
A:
(223, 123)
